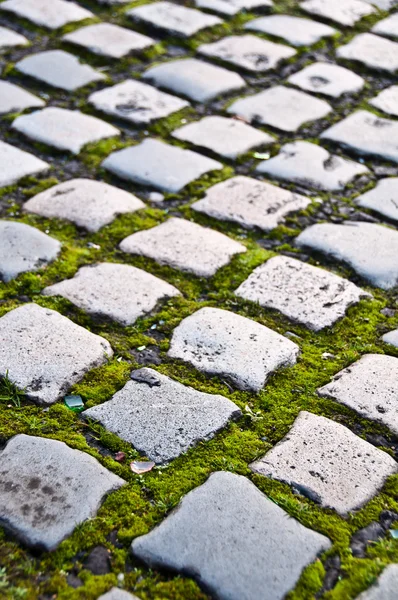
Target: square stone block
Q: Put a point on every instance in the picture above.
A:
(11, 39)
(53, 14)
(382, 198)
(15, 99)
(327, 78)
(15, 164)
(372, 51)
(387, 100)
(107, 39)
(232, 7)
(345, 12)
(295, 30)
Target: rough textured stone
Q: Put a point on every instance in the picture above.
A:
(383, 198)
(47, 489)
(248, 51)
(385, 587)
(161, 417)
(372, 51)
(387, 100)
(45, 353)
(11, 39)
(173, 18)
(350, 243)
(328, 462)
(369, 387)
(391, 337)
(223, 343)
(64, 129)
(108, 39)
(234, 540)
(345, 12)
(295, 30)
(15, 99)
(383, 4)
(314, 297)
(159, 165)
(312, 166)
(366, 133)
(15, 164)
(53, 14)
(59, 69)
(184, 245)
(387, 27)
(121, 292)
(24, 248)
(227, 137)
(117, 594)
(281, 107)
(136, 102)
(329, 79)
(232, 7)
(195, 79)
(250, 202)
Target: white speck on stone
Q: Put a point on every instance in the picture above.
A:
(387, 100)
(15, 164)
(107, 39)
(387, 27)
(385, 587)
(15, 99)
(345, 12)
(372, 51)
(52, 14)
(391, 338)
(329, 79)
(232, 7)
(11, 39)
(383, 198)
(155, 197)
(295, 30)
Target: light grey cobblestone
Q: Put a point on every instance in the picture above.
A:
(372, 51)
(391, 338)
(387, 100)
(15, 164)
(327, 78)
(387, 27)
(385, 587)
(10, 39)
(15, 99)
(53, 15)
(295, 30)
(382, 198)
(232, 7)
(116, 593)
(344, 12)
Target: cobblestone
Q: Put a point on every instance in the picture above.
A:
(295, 30)
(15, 164)
(387, 27)
(328, 79)
(391, 337)
(371, 50)
(10, 39)
(385, 587)
(387, 100)
(344, 12)
(232, 7)
(15, 99)
(118, 594)
(382, 198)
(52, 15)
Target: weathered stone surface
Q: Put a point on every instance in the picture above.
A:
(281, 107)
(350, 243)
(391, 337)
(15, 99)
(10, 39)
(387, 100)
(59, 69)
(372, 51)
(248, 51)
(195, 79)
(232, 7)
(387, 27)
(161, 417)
(336, 467)
(108, 39)
(382, 198)
(369, 387)
(385, 587)
(345, 12)
(173, 18)
(250, 202)
(53, 15)
(223, 343)
(121, 292)
(254, 544)
(15, 164)
(184, 245)
(45, 353)
(64, 129)
(116, 593)
(327, 78)
(87, 203)
(24, 248)
(366, 133)
(295, 30)
(159, 165)
(136, 102)
(47, 489)
(314, 297)
(312, 166)
(383, 4)
(227, 137)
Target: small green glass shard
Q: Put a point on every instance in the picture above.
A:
(74, 403)
(394, 533)
(262, 155)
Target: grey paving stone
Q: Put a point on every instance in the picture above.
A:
(159, 165)
(24, 248)
(136, 102)
(383, 4)
(121, 292)
(64, 129)
(248, 51)
(369, 386)
(329, 79)
(227, 137)
(108, 39)
(46, 353)
(372, 51)
(250, 202)
(184, 245)
(59, 69)
(195, 79)
(87, 203)
(280, 107)
(173, 18)
(11, 39)
(391, 337)
(232, 7)
(295, 30)
(15, 164)
(47, 489)
(366, 133)
(387, 100)
(387, 27)
(385, 587)
(116, 593)
(350, 243)
(345, 12)
(312, 166)
(234, 540)
(223, 343)
(53, 15)
(382, 198)
(339, 469)
(313, 297)
(163, 418)
(15, 99)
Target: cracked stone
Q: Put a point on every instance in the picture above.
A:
(326, 460)
(116, 593)
(223, 343)
(391, 338)
(44, 353)
(107, 39)
(387, 27)
(295, 30)
(184, 245)
(250, 202)
(232, 7)
(15, 164)
(53, 15)
(121, 292)
(387, 100)
(163, 421)
(159, 165)
(385, 587)
(329, 79)
(383, 198)
(372, 51)
(255, 545)
(47, 489)
(345, 12)
(15, 99)
(11, 39)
